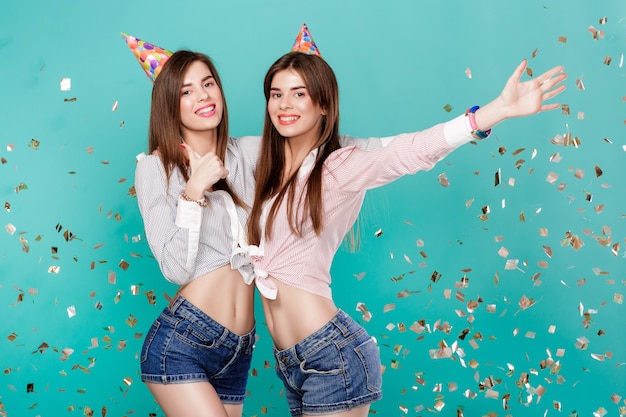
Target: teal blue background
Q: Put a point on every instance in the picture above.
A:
(400, 65)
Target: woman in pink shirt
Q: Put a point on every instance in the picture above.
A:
(308, 195)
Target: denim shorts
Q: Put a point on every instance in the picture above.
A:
(185, 345)
(335, 369)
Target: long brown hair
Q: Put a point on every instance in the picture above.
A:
(164, 133)
(321, 85)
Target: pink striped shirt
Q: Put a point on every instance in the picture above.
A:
(304, 261)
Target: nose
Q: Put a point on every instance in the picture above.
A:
(203, 95)
(284, 103)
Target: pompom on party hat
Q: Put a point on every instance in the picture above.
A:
(304, 42)
(150, 57)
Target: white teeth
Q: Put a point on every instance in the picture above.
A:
(206, 110)
(289, 119)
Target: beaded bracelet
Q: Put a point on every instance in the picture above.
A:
(477, 134)
(202, 203)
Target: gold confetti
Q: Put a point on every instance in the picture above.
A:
(131, 320)
(21, 187)
(468, 73)
(607, 60)
(10, 228)
(367, 316)
(565, 109)
(563, 39)
(598, 171)
(69, 100)
(71, 311)
(579, 84)
(114, 106)
(67, 235)
(124, 265)
(555, 158)
(443, 179)
(595, 33)
(511, 264)
(573, 240)
(565, 140)
(548, 251)
(66, 84)
(447, 108)
(34, 144)
(552, 177)
(579, 173)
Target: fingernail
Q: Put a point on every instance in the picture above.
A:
(182, 145)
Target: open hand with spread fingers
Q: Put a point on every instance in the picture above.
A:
(523, 98)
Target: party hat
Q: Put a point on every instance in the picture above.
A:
(150, 57)
(304, 42)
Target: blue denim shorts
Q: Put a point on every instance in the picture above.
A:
(185, 345)
(335, 369)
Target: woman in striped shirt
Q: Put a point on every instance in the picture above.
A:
(194, 191)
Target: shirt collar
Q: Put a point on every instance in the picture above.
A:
(308, 163)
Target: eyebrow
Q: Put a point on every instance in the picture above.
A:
(291, 89)
(203, 80)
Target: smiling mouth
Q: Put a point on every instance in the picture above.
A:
(287, 119)
(206, 110)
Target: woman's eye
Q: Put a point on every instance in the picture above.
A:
(276, 95)
(208, 84)
(186, 93)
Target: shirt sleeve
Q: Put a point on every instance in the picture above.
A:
(250, 149)
(355, 169)
(364, 144)
(456, 132)
(172, 225)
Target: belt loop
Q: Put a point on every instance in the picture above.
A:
(175, 302)
(339, 320)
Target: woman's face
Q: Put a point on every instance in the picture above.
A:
(291, 110)
(201, 105)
